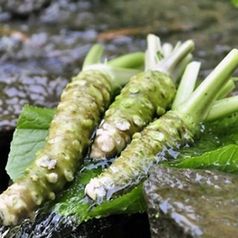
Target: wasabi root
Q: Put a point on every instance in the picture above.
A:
(82, 104)
(172, 130)
(147, 95)
(69, 137)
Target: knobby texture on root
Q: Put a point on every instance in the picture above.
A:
(146, 95)
(170, 131)
(82, 104)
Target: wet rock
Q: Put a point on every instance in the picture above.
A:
(34, 71)
(72, 13)
(23, 7)
(26, 88)
(184, 203)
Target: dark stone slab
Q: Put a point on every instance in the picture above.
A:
(184, 203)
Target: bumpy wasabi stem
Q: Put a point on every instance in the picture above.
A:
(82, 104)
(170, 131)
(79, 111)
(147, 94)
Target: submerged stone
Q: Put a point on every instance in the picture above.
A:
(185, 203)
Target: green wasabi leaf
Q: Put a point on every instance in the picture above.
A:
(215, 135)
(73, 200)
(217, 148)
(28, 138)
(26, 143)
(35, 118)
(224, 159)
(131, 202)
